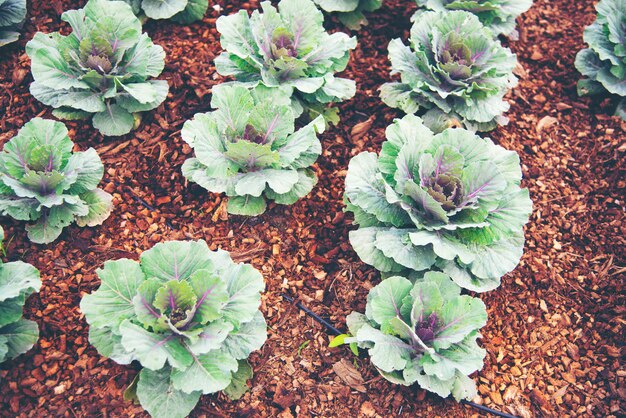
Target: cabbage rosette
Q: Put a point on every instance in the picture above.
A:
(289, 49)
(450, 201)
(190, 316)
(454, 67)
(42, 180)
(249, 149)
(100, 70)
(423, 332)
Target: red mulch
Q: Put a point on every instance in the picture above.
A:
(555, 331)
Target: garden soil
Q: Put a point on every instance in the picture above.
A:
(555, 333)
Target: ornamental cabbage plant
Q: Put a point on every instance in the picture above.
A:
(17, 281)
(190, 316)
(12, 15)
(451, 66)
(350, 12)
(101, 70)
(450, 201)
(497, 15)
(180, 11)
(289, 49)
(423, 332)
(249, 149)
(42, 180)
(604, 62)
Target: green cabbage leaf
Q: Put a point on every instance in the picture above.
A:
(180, 11)
(18, 280)
(497, 15)
(12, 15)
(350, 12)
(604, 62)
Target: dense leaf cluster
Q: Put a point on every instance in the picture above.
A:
(289, 49)
(189, 315)
(42, 180)
(422, 332)
(100, 70)
(249, 149)
(454, 67)
(450, 201)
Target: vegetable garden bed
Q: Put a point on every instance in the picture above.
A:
(553, 338)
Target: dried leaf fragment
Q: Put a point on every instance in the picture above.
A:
(350, 375)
